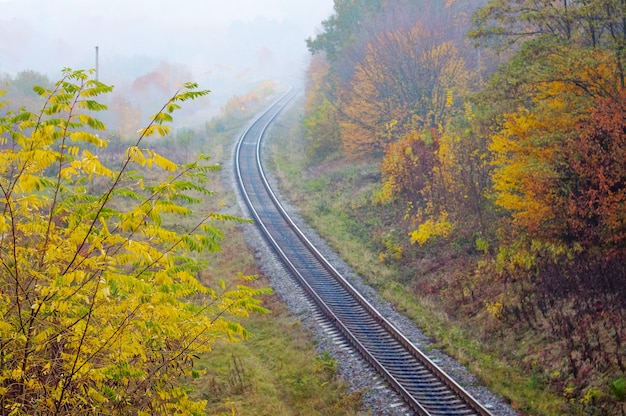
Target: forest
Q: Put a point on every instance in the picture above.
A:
(498, 131)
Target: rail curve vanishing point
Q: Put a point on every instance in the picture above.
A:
(426, 389)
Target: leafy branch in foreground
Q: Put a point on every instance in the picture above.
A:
(94, 289)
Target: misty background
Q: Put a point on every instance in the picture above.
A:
(147, 48)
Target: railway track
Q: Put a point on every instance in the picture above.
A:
(425, 388)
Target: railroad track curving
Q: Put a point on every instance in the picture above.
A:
(425, 388)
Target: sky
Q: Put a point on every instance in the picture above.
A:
(219, 44)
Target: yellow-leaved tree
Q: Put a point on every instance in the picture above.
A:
(95, 290)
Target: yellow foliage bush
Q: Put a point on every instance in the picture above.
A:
(94, 289)
(441, 227)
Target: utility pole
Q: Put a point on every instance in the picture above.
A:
(96, 63)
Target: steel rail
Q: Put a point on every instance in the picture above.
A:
(361, 324)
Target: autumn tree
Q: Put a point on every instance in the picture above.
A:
(443, 175)
(101, 309)
(396, 91)
(562, 68)
(593, 185)
(401, 84)
(390, 68)
(563, 251)
(409, 164)
(434, 158)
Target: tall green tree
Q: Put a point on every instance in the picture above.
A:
(343, 28)
(101, 309)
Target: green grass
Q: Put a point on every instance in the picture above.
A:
(275, 372)
(333, 199)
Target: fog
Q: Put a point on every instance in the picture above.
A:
(226, 46)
